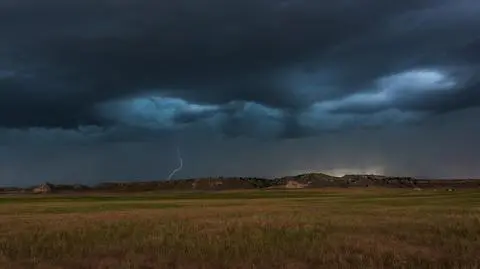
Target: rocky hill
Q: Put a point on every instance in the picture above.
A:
(303, 181)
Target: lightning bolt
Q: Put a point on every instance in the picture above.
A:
(180, 166)
(179, 155)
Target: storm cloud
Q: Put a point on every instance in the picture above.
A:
(83, 71)
(316, 63)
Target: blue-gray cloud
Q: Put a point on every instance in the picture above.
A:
(254, 68)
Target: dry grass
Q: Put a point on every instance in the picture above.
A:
(306, 229)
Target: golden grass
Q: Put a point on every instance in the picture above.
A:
(319, 229)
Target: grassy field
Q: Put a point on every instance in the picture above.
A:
(363, 228)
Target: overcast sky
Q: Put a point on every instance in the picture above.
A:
(106, 90)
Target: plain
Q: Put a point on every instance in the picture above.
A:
(323, 228)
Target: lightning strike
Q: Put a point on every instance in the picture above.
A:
(179, 168)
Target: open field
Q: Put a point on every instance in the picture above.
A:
(327, 228)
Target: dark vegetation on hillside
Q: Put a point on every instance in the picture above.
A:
(312, 180)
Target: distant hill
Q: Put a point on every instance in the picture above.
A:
(310, 180)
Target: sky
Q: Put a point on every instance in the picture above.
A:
(94, 91)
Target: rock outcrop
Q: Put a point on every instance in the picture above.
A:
(292, 184)
(43, 188)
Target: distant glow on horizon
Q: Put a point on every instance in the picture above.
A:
(355, 171)
(339, 172)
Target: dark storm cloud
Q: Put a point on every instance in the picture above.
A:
(26, 104)
(257, 68)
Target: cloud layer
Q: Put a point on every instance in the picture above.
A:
(240, 68)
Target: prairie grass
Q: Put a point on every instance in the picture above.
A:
(328, 228)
